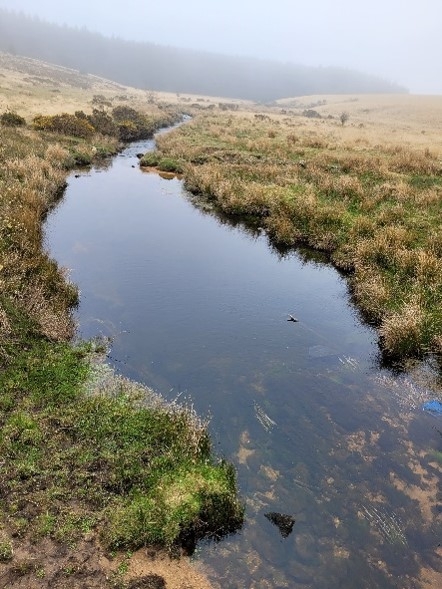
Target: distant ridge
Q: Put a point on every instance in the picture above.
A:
(161, 68)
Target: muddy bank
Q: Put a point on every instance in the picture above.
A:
(50, 565)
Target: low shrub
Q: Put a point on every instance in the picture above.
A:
(101, 100)
(12, 119)
(102, 122)
(125, 113)
(65, 124)
(311, 114)
(132, 125)
(128, 131)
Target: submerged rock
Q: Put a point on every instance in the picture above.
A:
(282, 521)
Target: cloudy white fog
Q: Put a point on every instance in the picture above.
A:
(398, 40)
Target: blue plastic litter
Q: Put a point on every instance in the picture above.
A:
(434, 407)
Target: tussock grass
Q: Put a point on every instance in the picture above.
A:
(370, 199)
(32, 178)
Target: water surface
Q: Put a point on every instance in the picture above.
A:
(197, 309)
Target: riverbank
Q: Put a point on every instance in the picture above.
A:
(350, 186)
(92, 465)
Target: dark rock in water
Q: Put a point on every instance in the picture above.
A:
(282, 521)
(140, 155)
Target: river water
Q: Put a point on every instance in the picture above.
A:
(197, 309)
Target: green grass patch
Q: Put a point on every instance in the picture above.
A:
(184, 505)
(425, 181)
(152, 159)
(123, 462)
(168, 164)
(437, 456)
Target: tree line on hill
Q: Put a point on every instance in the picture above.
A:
(163, 68)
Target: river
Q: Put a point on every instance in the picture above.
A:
(197, 308)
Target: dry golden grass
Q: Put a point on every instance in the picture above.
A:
(399, 120)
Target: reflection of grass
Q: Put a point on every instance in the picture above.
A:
(373, 205)
(388, 525)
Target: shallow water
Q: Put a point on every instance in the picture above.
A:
(197, 308)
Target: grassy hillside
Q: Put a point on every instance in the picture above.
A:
(171, 69)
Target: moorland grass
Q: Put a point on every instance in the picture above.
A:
(78, 458)
(372, 203)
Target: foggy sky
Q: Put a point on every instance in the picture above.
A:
(399, 40)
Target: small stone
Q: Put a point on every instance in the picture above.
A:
(282, 521)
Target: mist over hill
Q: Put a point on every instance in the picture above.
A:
(162, 68)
